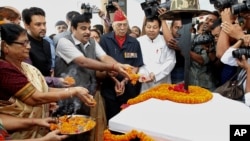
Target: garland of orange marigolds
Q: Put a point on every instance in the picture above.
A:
(108, 136)
(176, 93)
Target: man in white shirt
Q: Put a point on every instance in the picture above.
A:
(159, 60)
(79, 56)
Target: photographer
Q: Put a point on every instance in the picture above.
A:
(151, 9)
(243, 61)
(236, 55)
(235, 21)
(202, 56)
(107, 17)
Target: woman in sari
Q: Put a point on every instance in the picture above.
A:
(23, 89)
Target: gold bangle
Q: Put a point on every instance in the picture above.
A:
(68, 90)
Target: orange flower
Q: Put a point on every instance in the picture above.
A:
(132, 76)
(69, 80)
(73, 125)
(194, 95)
(133, 134)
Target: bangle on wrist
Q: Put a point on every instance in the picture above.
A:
(69, 92)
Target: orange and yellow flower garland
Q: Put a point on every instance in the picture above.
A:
(108, 136)
(194, 95)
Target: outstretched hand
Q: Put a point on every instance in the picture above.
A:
(85, 97)
(121, 68)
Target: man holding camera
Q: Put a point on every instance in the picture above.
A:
(202, 55)
(238, 53)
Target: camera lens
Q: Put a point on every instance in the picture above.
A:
(212, 1)
(238, 8)
(222, 4)
(241, 51)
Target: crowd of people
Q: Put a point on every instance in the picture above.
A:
(34, 66)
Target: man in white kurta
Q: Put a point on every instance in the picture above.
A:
(159, 60)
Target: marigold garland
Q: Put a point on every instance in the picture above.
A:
(194, 95)
(133, 134)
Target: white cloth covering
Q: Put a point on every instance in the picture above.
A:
(170, 121)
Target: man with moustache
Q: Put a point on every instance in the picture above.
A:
(79, 56)
(40, 53)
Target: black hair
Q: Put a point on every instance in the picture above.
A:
(216, 23)
(79, 19)
(60, 22)
(99, 27)
(71, 14)
(153, 19)
(173, 21)
(28, 13)
(10, 32)
(216, 13)
(137, 28)
(97, 31)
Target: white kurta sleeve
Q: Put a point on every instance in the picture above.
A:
(168, 61)
(227, 57)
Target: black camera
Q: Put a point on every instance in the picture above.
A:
(202, 39)
(222, 4)
(88, 10)
(150, 7)
(241, 51)
(241, 7)
(110, 7)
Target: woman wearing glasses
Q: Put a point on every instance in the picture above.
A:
(23, 89)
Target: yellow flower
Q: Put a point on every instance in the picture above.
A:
(194, 95)
(133, 134)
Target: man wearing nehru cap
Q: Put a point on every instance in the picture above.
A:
(124, 49)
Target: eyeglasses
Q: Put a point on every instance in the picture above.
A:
(121, 24)
(24, 44)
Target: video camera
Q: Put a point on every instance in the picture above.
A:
(222, 4)
(241, 7)
(202, 39)
(150, 7)
(241, 51)
(110, 7)
(88, 10)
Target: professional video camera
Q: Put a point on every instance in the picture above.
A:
(110, 7)
(150, 7)
(241, 7)
(241, 51)
(88, 10)
(222, 4)
(202, 39)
